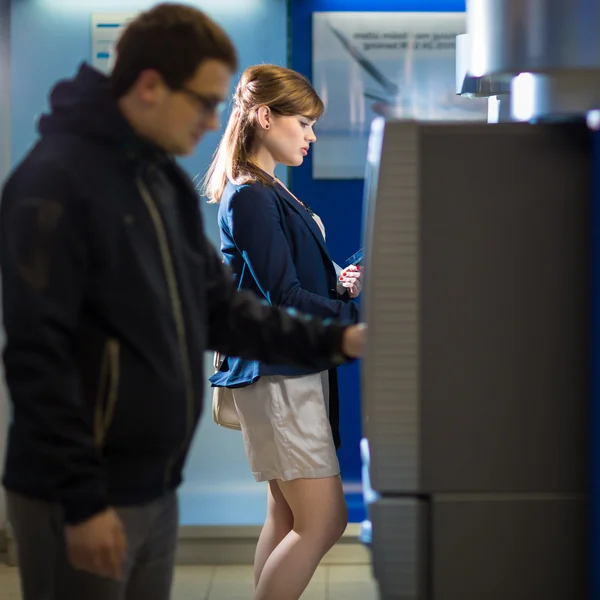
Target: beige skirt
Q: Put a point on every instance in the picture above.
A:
(285, 425)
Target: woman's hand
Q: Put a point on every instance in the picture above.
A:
(350, 279)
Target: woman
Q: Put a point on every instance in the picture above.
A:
(276, 247)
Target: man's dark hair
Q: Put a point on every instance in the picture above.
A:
(173, 39)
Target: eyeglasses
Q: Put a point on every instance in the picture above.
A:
(209, 106)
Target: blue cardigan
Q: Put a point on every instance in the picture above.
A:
(275, 248)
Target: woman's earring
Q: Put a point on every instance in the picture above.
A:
(267, 126)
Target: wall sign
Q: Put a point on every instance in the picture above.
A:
(395, 64)
(106, 29)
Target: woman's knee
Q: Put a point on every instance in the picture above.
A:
(318, 506)
(339, 523)
(324, 532)
(343, 523)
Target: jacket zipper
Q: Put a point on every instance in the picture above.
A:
(108, 392)
(176, 307)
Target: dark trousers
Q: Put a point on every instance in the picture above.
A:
(46, 573)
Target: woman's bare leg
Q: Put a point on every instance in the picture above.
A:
(278, 524)
(320, 518)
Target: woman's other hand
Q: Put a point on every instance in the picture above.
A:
(350, 279)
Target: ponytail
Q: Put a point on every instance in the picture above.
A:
(231, 161)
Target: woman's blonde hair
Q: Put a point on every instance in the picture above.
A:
(286, 93)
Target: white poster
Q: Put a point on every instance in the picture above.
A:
(106, 29)
(382, 63)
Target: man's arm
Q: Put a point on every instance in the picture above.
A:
(44, 261)
(242, 325)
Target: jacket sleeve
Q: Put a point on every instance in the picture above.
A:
(254, 224)
(44, 261)
(242, 325)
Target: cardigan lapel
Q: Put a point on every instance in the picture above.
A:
(310, 222)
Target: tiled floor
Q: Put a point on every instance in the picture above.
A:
(235, 583)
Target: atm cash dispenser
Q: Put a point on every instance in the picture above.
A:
(476, 380)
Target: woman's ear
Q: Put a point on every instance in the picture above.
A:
(265, 117)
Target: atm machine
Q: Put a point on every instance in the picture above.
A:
(478, 375)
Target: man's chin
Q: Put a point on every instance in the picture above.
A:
(185, 150)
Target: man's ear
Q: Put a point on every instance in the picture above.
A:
(150, 86)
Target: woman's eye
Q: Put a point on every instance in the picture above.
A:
(304, 124)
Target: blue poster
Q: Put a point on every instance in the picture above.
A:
(391, 64)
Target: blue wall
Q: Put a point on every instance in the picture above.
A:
(49, 39)
(339, 203)
(4, 87)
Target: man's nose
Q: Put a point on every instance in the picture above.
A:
(213, 122)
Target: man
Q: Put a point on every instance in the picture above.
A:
(112, 294)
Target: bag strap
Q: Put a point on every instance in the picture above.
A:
(218, 361)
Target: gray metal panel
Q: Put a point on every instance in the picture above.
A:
(476, 371)
(509, 548)
(504, 308)
(391, 304)
(400, 548)
(533, 36)
(557, 40)
(475, 87)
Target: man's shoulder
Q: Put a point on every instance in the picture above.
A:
(56, 153)
(61, 168)
(36, 170)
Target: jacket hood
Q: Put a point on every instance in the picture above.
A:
(85, 105)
